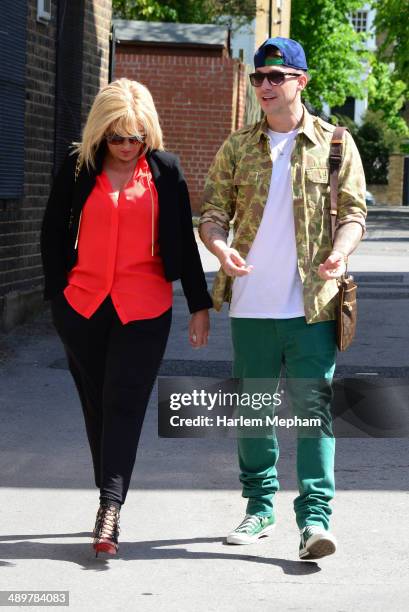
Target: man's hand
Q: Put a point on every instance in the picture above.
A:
(333, 267)
(233, 263)
(215, 239)
(199, 328)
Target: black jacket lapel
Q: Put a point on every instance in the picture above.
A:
(162, 187)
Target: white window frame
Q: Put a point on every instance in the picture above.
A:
(361, 17)
(44, 11)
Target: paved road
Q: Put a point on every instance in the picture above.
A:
(185, 494)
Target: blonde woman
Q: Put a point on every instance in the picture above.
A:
(117, 231)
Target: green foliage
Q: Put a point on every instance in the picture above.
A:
(338, 59)
(143, 10)
(391, 139)
(374, 142)
(186, 11)
(388, 87)
(386, 94)
(374, 152)
(392, 23)
(334, 50)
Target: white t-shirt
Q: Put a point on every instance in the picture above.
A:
(273, 289)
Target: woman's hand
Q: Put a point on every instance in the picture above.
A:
(199, 328)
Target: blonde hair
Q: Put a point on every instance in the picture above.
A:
(123, 107)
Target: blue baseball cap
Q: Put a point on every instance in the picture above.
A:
(292, 54)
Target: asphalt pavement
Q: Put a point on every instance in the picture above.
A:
(185, 495)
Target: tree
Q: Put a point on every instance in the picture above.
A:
(341, 66)
(388, 83)
(392, 26)
(386, 95)
(232, 12)
(143, 10)
(335, 52)
(374, 144)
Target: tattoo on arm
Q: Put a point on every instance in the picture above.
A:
(347, 237)
(210, 232)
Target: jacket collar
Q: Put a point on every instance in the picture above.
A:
(307, 127)
(152, 162)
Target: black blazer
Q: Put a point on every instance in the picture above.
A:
(177, 244)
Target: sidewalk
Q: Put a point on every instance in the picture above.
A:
(185, 494)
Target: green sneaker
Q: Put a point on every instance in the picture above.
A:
(251, 529)
(316, 542)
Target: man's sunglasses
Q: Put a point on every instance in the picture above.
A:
(274, 77)
(115, 139)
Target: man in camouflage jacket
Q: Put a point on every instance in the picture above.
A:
(279, 276)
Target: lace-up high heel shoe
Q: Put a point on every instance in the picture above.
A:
(106, 530)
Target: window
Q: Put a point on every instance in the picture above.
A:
(360, 21)
(348, 108)
(44, 10)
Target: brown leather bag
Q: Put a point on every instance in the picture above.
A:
(347, 307)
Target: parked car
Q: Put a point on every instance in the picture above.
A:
(369, 199)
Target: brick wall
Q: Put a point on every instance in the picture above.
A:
(20, 265)
(200, 100)
(97, 25)
(390, 194)
(20, 220)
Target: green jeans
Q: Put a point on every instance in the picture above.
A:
(266, 349)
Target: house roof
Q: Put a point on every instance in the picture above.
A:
(187, 34)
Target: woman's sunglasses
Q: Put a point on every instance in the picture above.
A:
(274, 77)
(115, 139)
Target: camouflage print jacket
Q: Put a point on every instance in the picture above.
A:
(237, 187)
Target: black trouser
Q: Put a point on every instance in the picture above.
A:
(114, 367)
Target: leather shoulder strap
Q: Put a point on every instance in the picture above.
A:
(335, 159)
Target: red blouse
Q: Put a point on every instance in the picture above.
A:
(118, 251)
